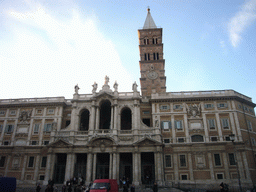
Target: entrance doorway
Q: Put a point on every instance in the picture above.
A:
(102, 166)
(125, 169)
(80, 166)
(59, 169)
(147, 168)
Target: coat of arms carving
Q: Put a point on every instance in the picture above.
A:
(194, 110)
(25, 116)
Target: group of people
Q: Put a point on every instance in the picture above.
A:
(76, 183)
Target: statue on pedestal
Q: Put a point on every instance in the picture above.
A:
(95, 86)
(76, 89)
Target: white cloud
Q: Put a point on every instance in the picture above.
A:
(46, 56)
(241, 21)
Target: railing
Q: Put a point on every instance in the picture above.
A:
(103, 131)
(34, 100)
(63, 133)
(188, 94)
(81, 133)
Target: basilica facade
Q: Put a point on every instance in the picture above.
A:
(187, 138)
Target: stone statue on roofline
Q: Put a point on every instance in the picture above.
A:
(95, 86)
(106, 80)
(134, 87)
(76, 89)
(115, 86)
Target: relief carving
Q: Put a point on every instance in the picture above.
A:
(25, 116)
(194, 110)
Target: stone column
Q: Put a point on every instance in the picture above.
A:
(186, 128)
(173, 129)
(118, 166)
(92, 118)
(89, 168)
(52, 165)
(110, 165)
(114, 166)
(175, 165)
(139, 166)
(48, 168)
(7, 165)
(37, 165)
(68, 167)
(156, 166)
(211, 165)
(72, 167)
(219, 126)
(41, 132)
(238, 128)
(240, 165)
(2, 134)
(225, 162)
(232, 123)
(115, 116)
(31, 126)
(191, 173)
(14, 131)
(97, 118)
(22, 178)
(112, 117)
(247, 171)
(206, 132)
(94, 166)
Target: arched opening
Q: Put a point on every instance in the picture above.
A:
(126, 119)
(84, 120)
(105, 115)
(197, 138)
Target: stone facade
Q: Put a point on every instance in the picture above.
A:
(168, 137)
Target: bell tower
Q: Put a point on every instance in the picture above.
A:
(152, 69)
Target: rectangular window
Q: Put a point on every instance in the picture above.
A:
(249, 123)
(183, 161)
(164, 107)
(12, 112)
(253, 142)
(180, 139)
(46, 142)
(178, 124)
(41, 177)
(166, 140)
(208, 106)
(217, 160)
(2, 113)
(211, 123)
(222, 105)
(1, 128)
(166, 125)
(39, 111)
(31, 162)
(36, 128)
(9, 128)
(6, 142)
(33, 142)
(225, 123)
(47, 127)
(227, 138)
(43, 163)
(146, 112)
(50, 111)
(177, 107)
(168, 161)
(184, 177)
(67, 123)
(2, 161)
(219, 176)
(214, 138)
(231, 159)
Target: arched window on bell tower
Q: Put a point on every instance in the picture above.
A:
(126, 119)
(105, 114)
(146, 41)
(84, 120)
(154, 40)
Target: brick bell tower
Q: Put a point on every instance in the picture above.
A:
(152, 69)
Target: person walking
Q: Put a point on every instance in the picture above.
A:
(132, 188)
(155, 187)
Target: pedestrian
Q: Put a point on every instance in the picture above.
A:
(64, 188)
(132, 188)
(125, 187)
(155, 187)
(38, 188)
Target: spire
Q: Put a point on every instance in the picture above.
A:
(149, 23)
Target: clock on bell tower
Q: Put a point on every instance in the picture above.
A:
(152, 69)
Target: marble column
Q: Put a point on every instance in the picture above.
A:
(114, 166)
(72, 167)
(48, 168)
(23, 168)
(118, 166)
(175, 165)
(97, 118)
(139, 166)
(37, 165)
(238, 128)
(68, 167)
(232, 123)
(206, 132)
(94, 166)
(110, 165)
(112, 118)
(211, 165)
(115, 117)
(89, 168)
(186, 128)
(173, 129)
(219, 126)
(92, 119)
(190, 164)
(7, 165)
(226, 167)
(4, 126)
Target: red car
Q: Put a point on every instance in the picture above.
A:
(104, 185)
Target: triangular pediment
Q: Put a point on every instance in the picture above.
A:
(104, 94)
(147, 141)
(60, 143)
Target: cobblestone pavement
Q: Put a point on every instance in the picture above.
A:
(33, 189)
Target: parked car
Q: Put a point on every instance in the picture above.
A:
(104, 185)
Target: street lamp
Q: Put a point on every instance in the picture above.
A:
(232, 138)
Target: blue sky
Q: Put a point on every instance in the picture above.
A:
(47, 47)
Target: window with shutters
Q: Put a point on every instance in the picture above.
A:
(225, 123)
(222, 105)
(231, 159)
(36, 128)
(166, 140)
(183, 162)
(178, 124)
(211, 124)
(166, 125)
(47, 127)
(177, 107)
(249, 123)
(168, 161)
(31, 162)
(164, 107)
(208, 106)
(217, 160)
